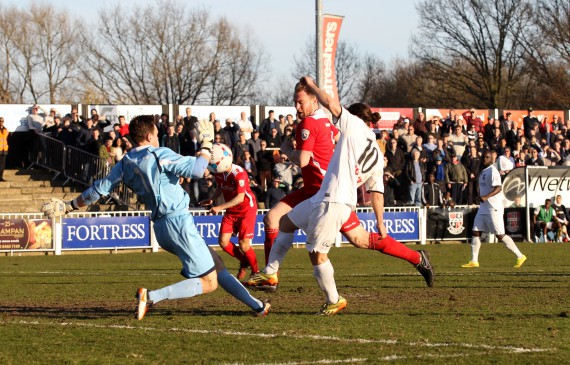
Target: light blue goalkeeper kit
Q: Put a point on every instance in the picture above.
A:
(153, 174)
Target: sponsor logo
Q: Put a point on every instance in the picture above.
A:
(455, 223)
(513, 221)
(305, 134)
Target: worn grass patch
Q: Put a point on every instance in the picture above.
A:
(78, 309)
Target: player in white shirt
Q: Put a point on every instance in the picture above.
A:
(357, 160)
(489, 217)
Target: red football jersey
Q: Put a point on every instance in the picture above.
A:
(233, 183)
(315, 133)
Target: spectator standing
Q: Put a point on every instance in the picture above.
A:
(190, 123)
(232, 129)
(170, 139)
(409, 139)
(528, 123)
(275, 193)
(432, 198)
(420, 125)
(265, 163)
(456, 179)
(267, 125)
(245, 126)
(254, 144)
(396, 158)
(534, 159)
(415, 172)
(470, 118)
(248, 164)
(4, 133)
(472, 164)
(273, 140)
(239, 147)
(123, 126)
(459, 140)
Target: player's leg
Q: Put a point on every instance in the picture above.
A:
(498, 228)
(325, 219)
(179, 236)
(360, 238)
(267, 279)
(245, 227)
(271, 225)
(231, 285)
(227, 228)
(479, 226)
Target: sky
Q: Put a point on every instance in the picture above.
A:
(379, 27)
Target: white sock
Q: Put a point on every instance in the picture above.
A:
(475, 247)
(324, 273)
(508, 241)
(282, 244)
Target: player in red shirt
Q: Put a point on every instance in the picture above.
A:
(315, 136)
(241, 212)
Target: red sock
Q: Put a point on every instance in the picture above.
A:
(270, 236)
(234, 251)
(390, 246)
(252, 260)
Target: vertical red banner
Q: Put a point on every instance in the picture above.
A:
(331, 30)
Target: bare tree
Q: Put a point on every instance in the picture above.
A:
(38, 63)
(348, 63)
(474, 46)
(167, 54)
(548, 54)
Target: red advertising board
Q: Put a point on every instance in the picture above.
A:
(518, 115)
(389, 116)
(25, 234)
(483, 114)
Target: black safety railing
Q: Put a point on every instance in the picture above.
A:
(76, 165)
(48, 153)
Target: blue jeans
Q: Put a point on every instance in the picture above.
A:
(416, 194)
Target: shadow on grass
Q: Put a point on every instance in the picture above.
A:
(86, 313)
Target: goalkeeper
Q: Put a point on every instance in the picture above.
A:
(152, 173)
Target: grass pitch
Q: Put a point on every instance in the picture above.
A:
(79, 309)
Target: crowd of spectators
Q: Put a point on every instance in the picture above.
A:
(451, 149)
(429, 162)
(255, 148)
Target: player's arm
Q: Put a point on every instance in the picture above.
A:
(238, 199)
(325, 99)
(208, 202)
(496, 190)
(103, 187)
(298, 157)
(378, 207)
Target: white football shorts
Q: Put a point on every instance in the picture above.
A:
(321, 222)
(490, 223)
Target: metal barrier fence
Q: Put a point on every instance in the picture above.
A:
(84, 167)
(75, 164)
(48, 153)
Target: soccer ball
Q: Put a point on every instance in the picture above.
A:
(221, 159)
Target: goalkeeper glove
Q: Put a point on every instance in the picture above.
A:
(57, 208)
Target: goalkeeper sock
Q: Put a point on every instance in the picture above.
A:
(183, 289)
(232, 285)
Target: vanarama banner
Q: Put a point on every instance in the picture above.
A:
(331, 30)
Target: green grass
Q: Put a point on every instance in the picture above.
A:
(78, 309)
